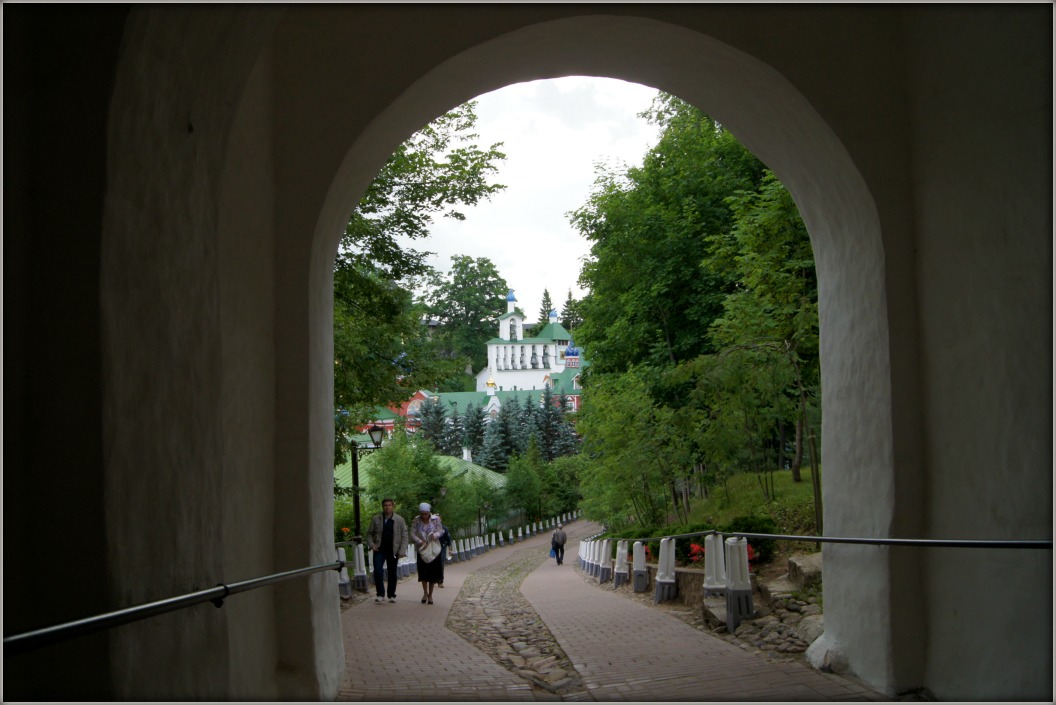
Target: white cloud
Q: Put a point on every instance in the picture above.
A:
(553, 133)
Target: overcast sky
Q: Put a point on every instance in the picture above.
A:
(553, 131)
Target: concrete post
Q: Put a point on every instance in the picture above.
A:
(641, 575)
(714, 565)
(666, 587)
(605, 562)
(344, 584)
(738, 584)
(621, 576)
(359, 573)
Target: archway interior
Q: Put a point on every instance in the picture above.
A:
(778, 125)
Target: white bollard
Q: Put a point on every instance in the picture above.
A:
(520, 535)
(641, 574)
(621, 576)
(738, 584)
(605, 564)
(502, 542)
(344, 584)
(463, 548)
(714, 565)
(359, 574)
(666, 587)
(511, 536)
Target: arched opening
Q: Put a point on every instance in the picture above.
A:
(747, 96)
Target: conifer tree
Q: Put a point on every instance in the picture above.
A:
(493, 455)
(454, 435)
(473, 430)
(570, 315)
(545, 309)
(432, 422)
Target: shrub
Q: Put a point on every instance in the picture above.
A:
(764, 548)
(344, 519)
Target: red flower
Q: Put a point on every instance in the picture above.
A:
(345, 529)
(751, 553)
(696, 552)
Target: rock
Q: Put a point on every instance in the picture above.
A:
(555, 675)
(823, 657)
(810, 610)
(805, 570)
(810, 628)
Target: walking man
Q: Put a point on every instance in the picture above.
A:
(557, 542)
(387, 539)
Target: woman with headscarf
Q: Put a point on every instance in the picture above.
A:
(425, 532)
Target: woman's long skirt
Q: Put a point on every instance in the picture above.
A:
(432, 572)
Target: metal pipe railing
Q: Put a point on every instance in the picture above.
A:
(934, 543)
(27, 641)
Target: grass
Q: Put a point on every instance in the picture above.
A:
(792, 509)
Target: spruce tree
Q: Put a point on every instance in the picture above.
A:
(493, 455)
(514, 440)
(473, 430)
(570, 315)
(453, 435)
(432, 422)
(545, 309)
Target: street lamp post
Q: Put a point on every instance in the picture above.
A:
(376, 434)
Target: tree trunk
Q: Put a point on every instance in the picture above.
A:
(797, 461)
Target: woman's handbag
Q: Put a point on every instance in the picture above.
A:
(430, 552)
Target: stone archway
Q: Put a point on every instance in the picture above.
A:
(778, 124)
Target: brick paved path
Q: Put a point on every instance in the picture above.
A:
(623, 650)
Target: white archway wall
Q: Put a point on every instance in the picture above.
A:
(186, 311)
(839, 212)
(982, 176)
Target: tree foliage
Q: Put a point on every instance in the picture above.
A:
(382, 353)
(649, 299)
(700, 324)
(412, 474)
(570, 313)
(467, 304)
(545, 308)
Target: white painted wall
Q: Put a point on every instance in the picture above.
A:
(982, 141)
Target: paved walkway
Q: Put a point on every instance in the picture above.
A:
(623, 650)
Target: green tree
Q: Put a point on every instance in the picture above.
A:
(412, 473)
(431, 421)
(468, 304)
(473, 431)
(552, 431)
(453, 437)
(649, 300)
(625, 478)
(774, 309)
(570, 315)
(381, 350)
(545, 308)
(493, 454)
(524, 486)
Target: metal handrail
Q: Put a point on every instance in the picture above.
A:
(27, 641)
(934, 543)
